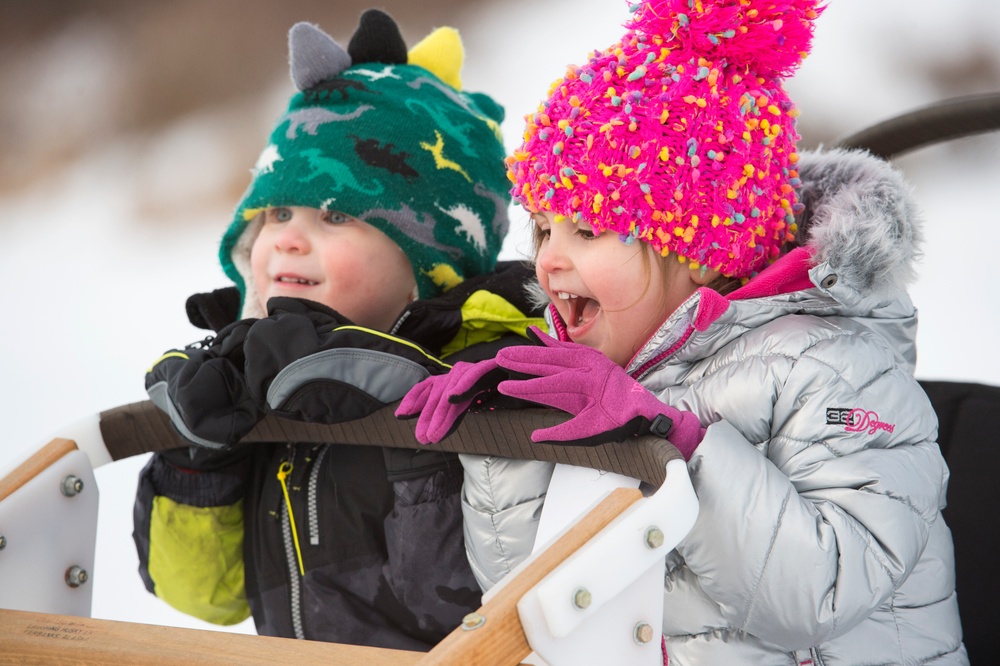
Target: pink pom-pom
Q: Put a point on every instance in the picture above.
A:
(770, 37)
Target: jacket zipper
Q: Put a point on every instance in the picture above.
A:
(645, 367)
(293, 553)
(313, 512)
(294, 580)
(807, 657)
(284, 470)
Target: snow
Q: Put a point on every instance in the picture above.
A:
(99, 258)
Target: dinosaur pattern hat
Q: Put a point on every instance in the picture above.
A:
(386, 136)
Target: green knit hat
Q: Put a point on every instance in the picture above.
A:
(387, 137)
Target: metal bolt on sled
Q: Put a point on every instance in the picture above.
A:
(76, 576)
(643, 633)
(72, 485)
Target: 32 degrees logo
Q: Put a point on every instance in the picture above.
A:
(857, 420)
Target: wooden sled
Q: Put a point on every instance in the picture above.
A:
(560, 604)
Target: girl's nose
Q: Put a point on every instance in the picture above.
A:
(552, 256)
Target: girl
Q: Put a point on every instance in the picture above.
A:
(775, 351)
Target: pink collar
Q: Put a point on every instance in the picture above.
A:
(789, 273)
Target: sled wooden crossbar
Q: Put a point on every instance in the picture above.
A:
(43, 638)
(141, 427)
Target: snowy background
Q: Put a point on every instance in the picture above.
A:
(102, 243)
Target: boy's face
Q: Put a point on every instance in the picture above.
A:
(611, 296)
(333, 259)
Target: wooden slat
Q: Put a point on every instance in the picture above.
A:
(40, 638)
(141, 427)
(501, 639)
(34, 465)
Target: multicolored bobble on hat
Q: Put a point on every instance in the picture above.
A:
(386, 136)
(681, 135)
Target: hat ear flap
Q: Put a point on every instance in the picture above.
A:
(314, 56)
(377, 39)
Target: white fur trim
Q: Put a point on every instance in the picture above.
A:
(862, 219)
(241, 260)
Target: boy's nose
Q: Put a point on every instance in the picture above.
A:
(294, 235)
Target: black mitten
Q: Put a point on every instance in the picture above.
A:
(214, 310)
(309, 363)
(203, 390)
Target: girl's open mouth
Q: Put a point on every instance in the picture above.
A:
(581, 312)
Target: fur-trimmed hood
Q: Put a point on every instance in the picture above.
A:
(855, 253)
(861, 218)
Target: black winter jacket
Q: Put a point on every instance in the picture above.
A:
(371, 551)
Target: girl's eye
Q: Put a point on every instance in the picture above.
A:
(586, 234)
(282, 214)
(333, 217)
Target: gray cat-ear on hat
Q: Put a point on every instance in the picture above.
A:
(314, 56)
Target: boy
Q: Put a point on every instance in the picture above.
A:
(373, 221)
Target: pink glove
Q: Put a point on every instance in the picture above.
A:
(440, 401)
(607, 404)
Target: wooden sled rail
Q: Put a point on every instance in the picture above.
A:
(141, 427)
(46, 639)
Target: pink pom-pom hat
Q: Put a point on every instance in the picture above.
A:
(681, 135)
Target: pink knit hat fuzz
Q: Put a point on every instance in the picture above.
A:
(681, 135)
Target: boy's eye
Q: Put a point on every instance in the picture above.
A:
(334, 217)
(282, 214)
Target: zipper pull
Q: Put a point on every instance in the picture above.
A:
(283, 471)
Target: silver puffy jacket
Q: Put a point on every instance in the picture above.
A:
(820, 481)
